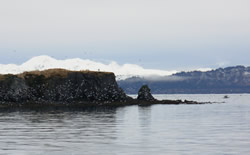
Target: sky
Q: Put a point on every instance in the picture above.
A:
(154, 34)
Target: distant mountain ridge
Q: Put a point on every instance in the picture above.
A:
(223, 80)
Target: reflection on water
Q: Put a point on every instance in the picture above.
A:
(159, 129)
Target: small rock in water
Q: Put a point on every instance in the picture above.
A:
(145, 94)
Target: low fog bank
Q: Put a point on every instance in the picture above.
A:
(157, 78)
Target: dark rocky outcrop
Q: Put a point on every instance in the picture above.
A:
(145, 98)
(61, 86)
(58, 88)
(144, 94)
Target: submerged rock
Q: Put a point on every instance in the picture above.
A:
(144, 94)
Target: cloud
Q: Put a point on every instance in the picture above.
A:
(222, 63)
(170, 78)
(166, 32)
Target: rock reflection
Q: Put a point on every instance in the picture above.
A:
(145, 116)
(55, 130)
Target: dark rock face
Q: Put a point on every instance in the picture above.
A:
(144, 94)
(61, 85)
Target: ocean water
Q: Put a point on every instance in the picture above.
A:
(221, 128)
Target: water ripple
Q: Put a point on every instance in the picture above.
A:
(160, 129)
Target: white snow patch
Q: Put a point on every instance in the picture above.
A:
(247, 73)
(46, 62)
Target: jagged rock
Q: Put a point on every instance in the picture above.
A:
(145, 94)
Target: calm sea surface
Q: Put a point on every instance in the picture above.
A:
(221, 128)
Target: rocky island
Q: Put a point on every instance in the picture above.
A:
(64, 88)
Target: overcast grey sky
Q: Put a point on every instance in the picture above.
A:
(163, 34)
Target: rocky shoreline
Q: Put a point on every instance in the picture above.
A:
(83, 105)
(58, 88)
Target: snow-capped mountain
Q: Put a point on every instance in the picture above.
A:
(45, 62)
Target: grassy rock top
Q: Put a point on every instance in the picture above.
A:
(54, 72)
